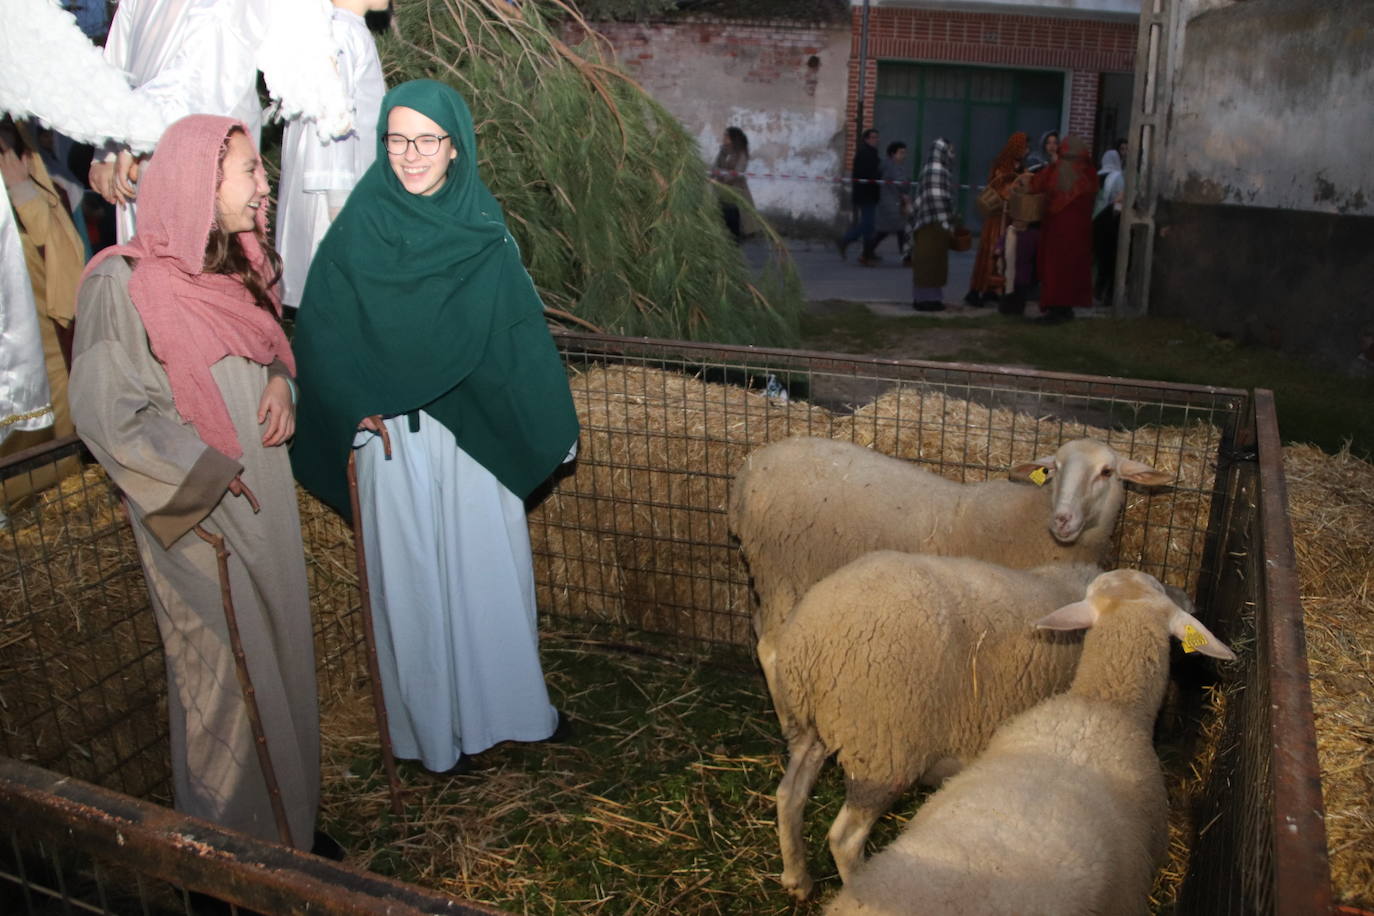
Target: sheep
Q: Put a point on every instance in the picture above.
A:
(903, 665)
(1065, 813)
(803, 507)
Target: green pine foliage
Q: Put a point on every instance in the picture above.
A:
(604, 190)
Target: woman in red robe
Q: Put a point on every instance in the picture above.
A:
(1066, 231)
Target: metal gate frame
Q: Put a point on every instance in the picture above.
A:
(1264, 849)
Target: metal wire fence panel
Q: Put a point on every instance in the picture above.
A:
(635, 533)
(1261, 843)
(81, 673)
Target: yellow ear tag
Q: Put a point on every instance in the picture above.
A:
(1192, 639)
(1039, 476)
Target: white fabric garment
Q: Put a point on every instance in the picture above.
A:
(203, 56)
(1113, 182)
(49, 70)
(452, 583)
(317, 175)
(25, 403)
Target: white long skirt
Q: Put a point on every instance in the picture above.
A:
(452, 584)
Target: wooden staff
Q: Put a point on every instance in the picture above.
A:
(250, 697)
(373, 670)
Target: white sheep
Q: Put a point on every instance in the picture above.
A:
(1065, 813)
(804, 507)
(903, 665)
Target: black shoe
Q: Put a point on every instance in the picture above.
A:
(562, 732)
(326, 847)
(929, 305)
(843, 247)
(1012, 304)
(462, 767)
(973, 298)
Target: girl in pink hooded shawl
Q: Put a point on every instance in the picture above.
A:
(181, 387)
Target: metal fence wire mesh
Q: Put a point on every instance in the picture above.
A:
(636, 533)
(633, 533)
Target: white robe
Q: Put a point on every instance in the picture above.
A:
(451, 578)
(25, 403)
(203, 57)
(316, 176)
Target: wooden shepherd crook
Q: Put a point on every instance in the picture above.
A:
(250, 697)
(373, 671)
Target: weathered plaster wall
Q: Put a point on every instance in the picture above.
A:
(1274, 106)
(1296, 281)
(1265, 226)
(782, 83)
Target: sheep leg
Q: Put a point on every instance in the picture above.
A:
(805, 754)
(864, 803)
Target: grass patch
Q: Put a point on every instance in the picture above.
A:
(1316, 406)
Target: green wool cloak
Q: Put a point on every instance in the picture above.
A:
(419, 302)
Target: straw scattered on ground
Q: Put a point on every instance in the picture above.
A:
(1331, 506)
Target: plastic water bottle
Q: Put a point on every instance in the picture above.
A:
(774, 390)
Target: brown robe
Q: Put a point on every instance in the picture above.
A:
(54, 258)
(122, 404)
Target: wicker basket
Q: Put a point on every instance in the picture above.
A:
(960, 239)
(1026, 207)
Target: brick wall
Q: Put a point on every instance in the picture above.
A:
(1084, 47)
(1083, 88)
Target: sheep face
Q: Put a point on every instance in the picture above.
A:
(1085, 478)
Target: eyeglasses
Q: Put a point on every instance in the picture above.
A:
(425, 144)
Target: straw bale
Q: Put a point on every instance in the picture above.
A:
(1331, 508)
(637, 533)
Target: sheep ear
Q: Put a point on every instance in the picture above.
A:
(1195, 637)
(1142, 473)
(1023, 471)
(1077, 616)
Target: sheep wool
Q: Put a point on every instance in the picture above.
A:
(903, 665)
(804, 507)
(1066, 811)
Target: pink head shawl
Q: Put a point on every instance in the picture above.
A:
(194, 319)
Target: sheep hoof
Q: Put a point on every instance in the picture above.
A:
(801, 889)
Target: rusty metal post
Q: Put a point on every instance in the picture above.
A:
(250, 697)
(373, 672)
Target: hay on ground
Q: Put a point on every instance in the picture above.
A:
(1331, 507)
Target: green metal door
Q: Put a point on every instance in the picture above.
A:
(977, 108)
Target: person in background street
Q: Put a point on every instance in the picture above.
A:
(1047, 153)
(733, 158)
(985, 285)
(317, 176)
(894, 206)
(1066, 241)
(181, 387)
(866, 193)
(1107, 220)
(931, 225)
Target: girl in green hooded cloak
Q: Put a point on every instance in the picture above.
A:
(419, 315)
